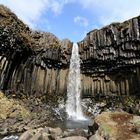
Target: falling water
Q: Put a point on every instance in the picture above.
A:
(73, 104)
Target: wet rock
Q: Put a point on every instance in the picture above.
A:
(75, 132)
(74, 138)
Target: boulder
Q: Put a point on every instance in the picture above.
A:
(37, 136)
(96, 137)
(55, 131)
(26, 135)
(40, 136)
(117, 125)
(136, 121)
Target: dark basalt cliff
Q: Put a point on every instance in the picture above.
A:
(33, 63)
(36, 63)
(111, 58)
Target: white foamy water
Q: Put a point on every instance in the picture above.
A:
(73, 104)
(10, 138)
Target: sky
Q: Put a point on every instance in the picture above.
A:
(72, 19)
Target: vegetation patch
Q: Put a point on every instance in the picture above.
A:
(12, 108)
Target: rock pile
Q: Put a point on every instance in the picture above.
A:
(107, 126)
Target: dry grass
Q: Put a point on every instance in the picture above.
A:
(12, 108)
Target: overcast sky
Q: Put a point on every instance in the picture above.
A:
(72, 18)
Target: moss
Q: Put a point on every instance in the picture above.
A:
(107, 129)
(138, 123)
(56, 44)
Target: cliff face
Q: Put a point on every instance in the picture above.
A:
(111, 58)
(15, 45)
(33, 63)
(36, 63)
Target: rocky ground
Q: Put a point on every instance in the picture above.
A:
(31, 119)
(107, 126)
(17, 116)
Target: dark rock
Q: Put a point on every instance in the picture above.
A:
(27, 54)
(110, 59)
(93, 128)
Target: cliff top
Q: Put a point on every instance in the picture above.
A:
(9, 22)
(35, 39)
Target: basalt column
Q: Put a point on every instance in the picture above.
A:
(111, 60)
(36, 63)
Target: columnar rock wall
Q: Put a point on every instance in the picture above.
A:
(40, 70)
(111, 58)
(123, 82)
(33, 63)
(37, 63)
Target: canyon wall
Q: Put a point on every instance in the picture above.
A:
(36, 63)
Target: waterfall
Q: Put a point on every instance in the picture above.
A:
(73, 104)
